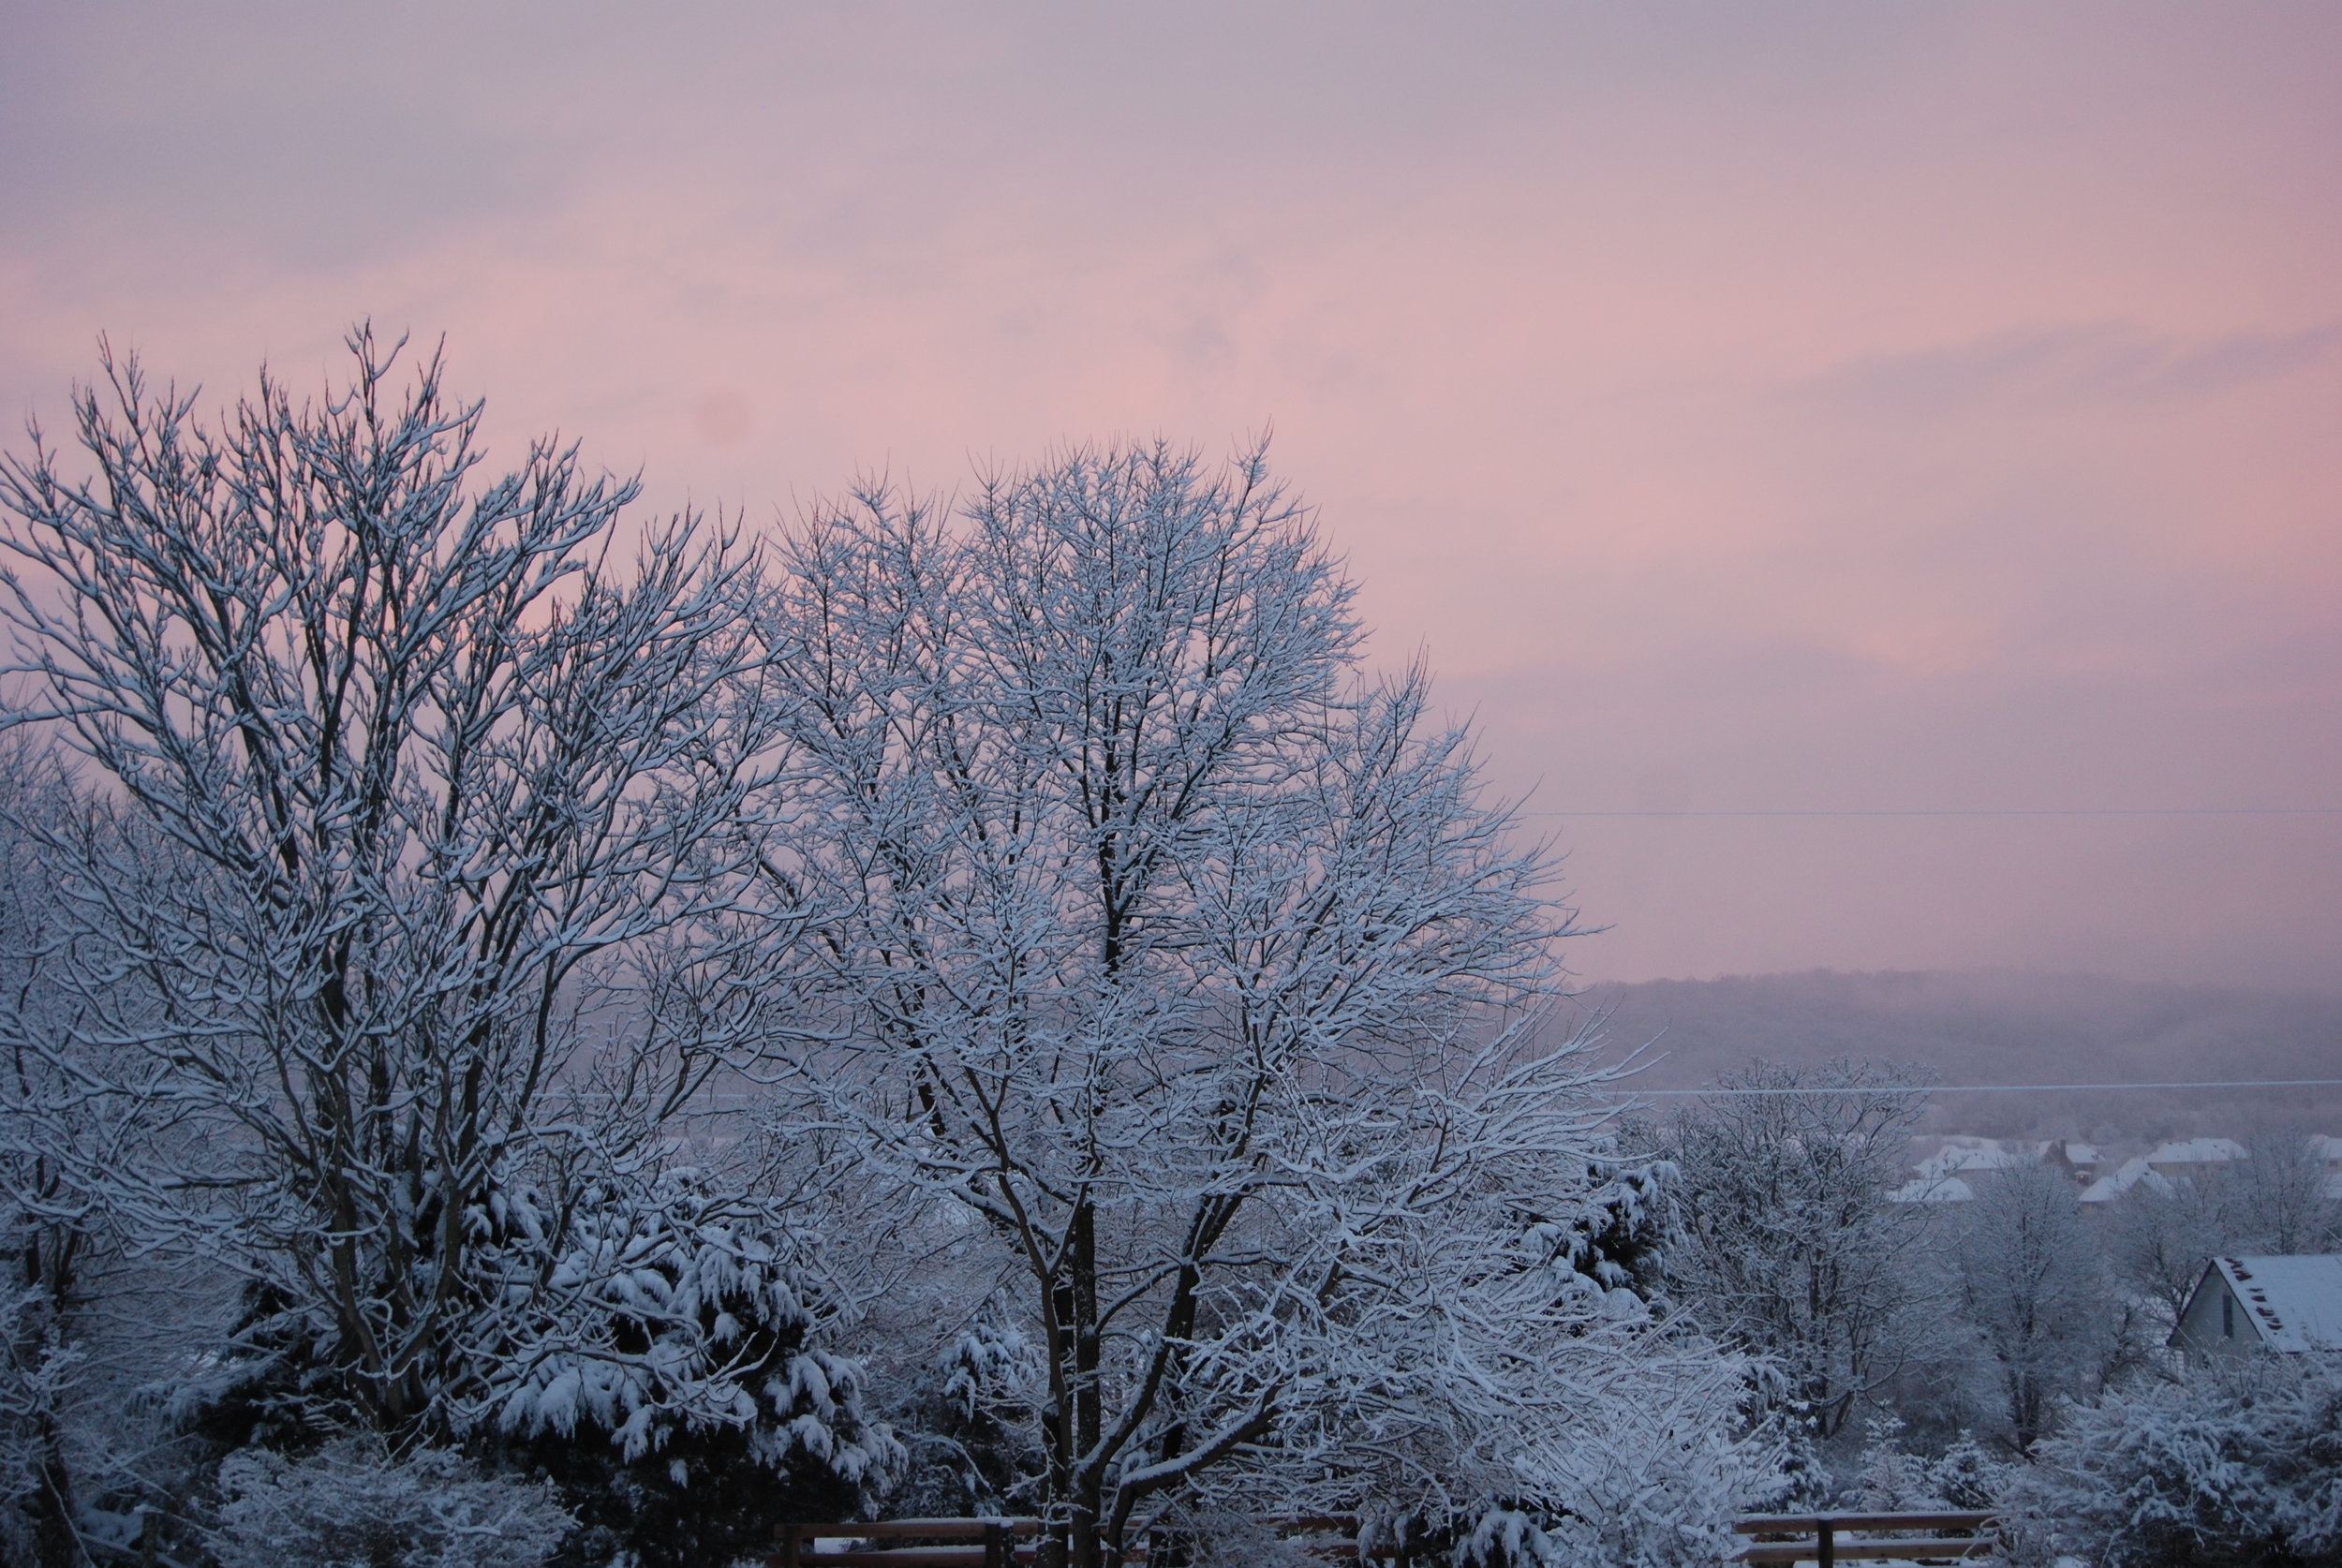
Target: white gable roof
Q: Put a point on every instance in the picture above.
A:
(1933, 1190)
(2198, 1151)
(2131, 1173)
(2293, 1303)
(1979, 1155)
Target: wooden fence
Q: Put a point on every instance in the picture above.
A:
(940, 1543)
(1006, 1542)
(1833, 1538)
(1783, 1539)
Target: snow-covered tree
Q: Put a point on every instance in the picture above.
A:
(88, 1320)
(2160, 1237)
(2034, 1284)
(2275, 1199)
(1192, 971)
(426, 878)
(1787, 1247)
(37, 1366)
(47, 1226)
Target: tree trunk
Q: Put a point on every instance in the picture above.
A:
(56, 1542)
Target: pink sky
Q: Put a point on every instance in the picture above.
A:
(1748, 407)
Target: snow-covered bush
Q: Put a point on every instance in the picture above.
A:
(353, 1504)
(1965, 1475)
(2229, 1465)
(1491, 1390)
(1210, 1536)
(1890, 1477)
(1618, 1227)
(968, 1432)
(673, 1384)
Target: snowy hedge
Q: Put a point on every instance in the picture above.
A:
(2231, 1465)
(353, 1504)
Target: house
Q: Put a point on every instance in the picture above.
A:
(2285, 1304)
(1933, 1190)
(2327, 1150)
(1948, 1175)
(2078, 1160)
(1964, 1156)
(2194, 1159)
(2131, 1173)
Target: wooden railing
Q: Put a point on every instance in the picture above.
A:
(1337, 1538)
(949, 1543)
(1833, 1538)
(1004, 1543)
(1826, 1539)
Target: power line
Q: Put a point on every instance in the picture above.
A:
(1994, 811)
(1989, 1088)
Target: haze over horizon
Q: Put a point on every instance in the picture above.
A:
(1816, 417)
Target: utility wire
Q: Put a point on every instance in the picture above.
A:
(1996, 811)
(1989, 1088)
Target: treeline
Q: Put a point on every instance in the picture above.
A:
(532, 1037)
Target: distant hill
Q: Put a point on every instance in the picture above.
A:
(1996, 1026)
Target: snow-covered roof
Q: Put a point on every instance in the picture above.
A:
(2198, 1151)
(2129, 1174)
(1980, 1157)
(2293, 1303)
(2082, 1154)
(2326, 1146)
(1933, 1190)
